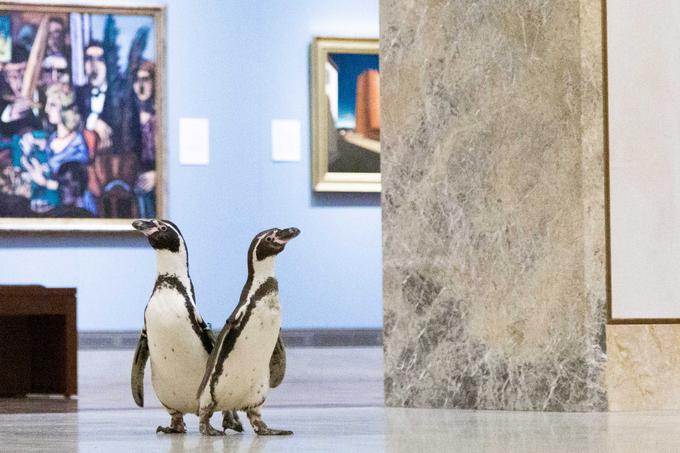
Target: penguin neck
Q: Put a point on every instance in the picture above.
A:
(263, 270)
(174, 264)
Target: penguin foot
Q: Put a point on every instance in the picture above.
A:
(170, 430)
(177, 425)
(273, 432)
(230, 421)
(260, 427)
(204, 414)
(208, 430)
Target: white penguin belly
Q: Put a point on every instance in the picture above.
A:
(177, 355)
(244, 381)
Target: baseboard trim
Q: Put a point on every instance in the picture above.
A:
(294, 338)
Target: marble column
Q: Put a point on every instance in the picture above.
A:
(493, 204)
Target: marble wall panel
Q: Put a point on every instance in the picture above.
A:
(493, 230)
(643, 367)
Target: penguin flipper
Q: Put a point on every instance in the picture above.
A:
(212, 359)
(138, 365)
(277, 364)
(208, 334)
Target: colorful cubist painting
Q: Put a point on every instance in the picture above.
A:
(79, 114)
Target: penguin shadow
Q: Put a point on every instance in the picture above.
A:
(230, 442)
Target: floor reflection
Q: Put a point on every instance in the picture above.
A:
(332, 401)
(354, 429)
(231, 442)
(505, 431)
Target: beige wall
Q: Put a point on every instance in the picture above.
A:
(643, 368)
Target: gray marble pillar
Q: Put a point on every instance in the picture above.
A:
(493, 230)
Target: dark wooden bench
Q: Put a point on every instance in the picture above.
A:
(38, 341)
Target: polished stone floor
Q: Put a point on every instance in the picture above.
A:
(332, 399)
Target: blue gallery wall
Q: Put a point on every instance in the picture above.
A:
(240, 64)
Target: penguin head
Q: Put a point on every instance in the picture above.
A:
(162, 234)
(272, 242)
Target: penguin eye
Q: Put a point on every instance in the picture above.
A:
(269, 238)
(163, 228)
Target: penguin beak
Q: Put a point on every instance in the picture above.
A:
(283, 236)
(147, 227)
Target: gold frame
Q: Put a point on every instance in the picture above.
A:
(157, 11)
(607, 200)
(322, 179)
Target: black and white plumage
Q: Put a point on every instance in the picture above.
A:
(249, 356)
(175, 337)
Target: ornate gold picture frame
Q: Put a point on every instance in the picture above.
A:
(82, 125)
(345, 115)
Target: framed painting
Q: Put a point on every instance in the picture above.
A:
(345, 115)
(81, 116)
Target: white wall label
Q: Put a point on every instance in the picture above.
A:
(286, 140)
(194, 141)
(644, 157)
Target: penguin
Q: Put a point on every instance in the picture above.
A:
(249, 356)
(175, 336)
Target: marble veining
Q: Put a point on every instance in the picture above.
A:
(643, 367)
(493, 230)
